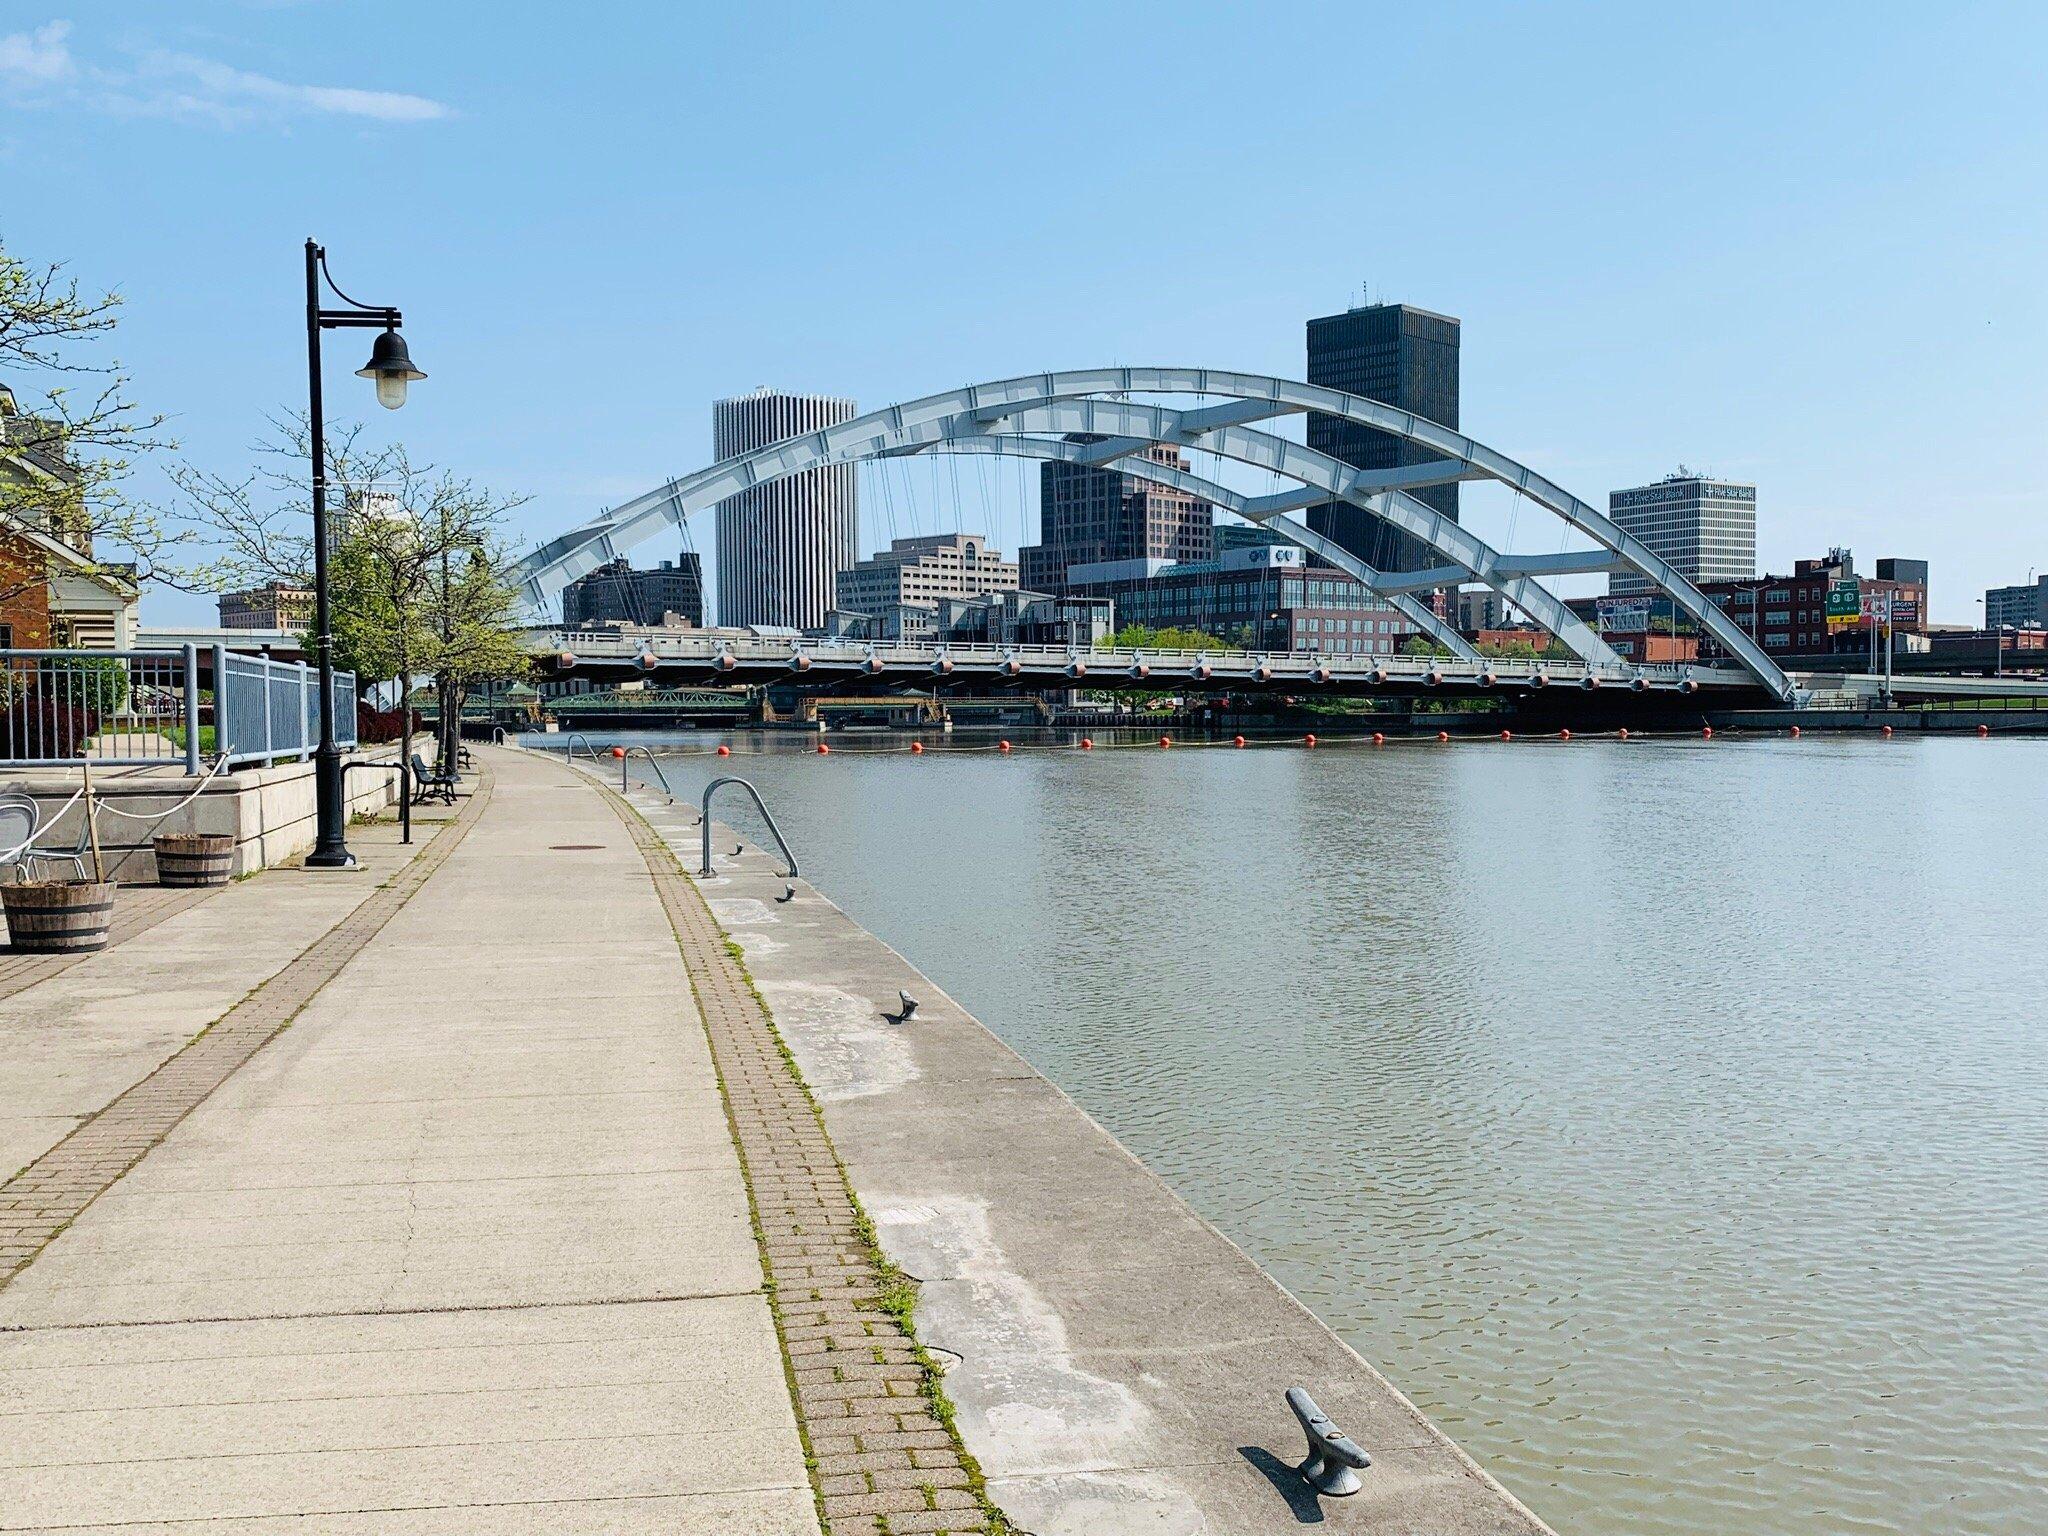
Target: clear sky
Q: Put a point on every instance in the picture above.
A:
(1799, 244)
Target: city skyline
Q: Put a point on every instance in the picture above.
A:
(1664, 301)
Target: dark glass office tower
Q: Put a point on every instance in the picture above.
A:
(1401, 356)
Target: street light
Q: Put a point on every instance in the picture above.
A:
(391, 366)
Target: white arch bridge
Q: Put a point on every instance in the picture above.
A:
(1034, 416)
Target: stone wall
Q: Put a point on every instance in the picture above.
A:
(269, 811)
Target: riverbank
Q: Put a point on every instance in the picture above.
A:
(1114, 1362)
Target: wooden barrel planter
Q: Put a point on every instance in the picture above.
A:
(51, 918)
(194, 858)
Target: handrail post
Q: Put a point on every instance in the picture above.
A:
(192, 709)
(266, 672)
(220, 700)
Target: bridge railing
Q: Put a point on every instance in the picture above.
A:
(709, 645)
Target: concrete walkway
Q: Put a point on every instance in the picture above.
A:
(83, 1029)
(465, 1248)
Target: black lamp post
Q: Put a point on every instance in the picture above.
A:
(391, 366)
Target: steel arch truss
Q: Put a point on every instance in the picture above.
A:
(1031, 415)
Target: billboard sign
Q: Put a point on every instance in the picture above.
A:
(1624, 615)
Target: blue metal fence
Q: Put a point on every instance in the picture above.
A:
(139, 708)
(265, 710)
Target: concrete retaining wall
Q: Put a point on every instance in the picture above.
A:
(269, 811)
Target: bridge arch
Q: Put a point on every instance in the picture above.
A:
(981, 410)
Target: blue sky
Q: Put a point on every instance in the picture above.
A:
(1802, 244)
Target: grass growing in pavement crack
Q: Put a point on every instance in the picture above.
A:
(897, 1293)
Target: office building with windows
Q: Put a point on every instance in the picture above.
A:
(1704, 527)
(618, 594)
(1401, 356)
(1262, 597)
(2021, 607)
(1088, 515)
(781, 546)
(925, 570)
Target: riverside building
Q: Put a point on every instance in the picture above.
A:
(1088, 515)
(1262, 597)
(781, 546)
(619, 594)
(924, 571)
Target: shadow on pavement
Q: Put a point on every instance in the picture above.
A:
(1308, 1509)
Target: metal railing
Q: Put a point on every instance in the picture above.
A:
(121, 708)
(652, 762)
(727, 652)
(147, 708)
(774, 831)
(265, 710)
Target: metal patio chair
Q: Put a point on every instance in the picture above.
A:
(18, 817)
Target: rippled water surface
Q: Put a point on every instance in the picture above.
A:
(1669, 1119)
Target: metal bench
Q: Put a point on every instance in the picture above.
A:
(431, 783)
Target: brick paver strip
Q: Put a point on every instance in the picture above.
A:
(46, 1196)
(136, 912)
(883, 1463)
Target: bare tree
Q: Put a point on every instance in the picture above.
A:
(69, 433)
(415, 551)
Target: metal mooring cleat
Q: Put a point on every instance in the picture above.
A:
(1334, 1459)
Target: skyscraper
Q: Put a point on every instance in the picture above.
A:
(1401, 356)
(782, 545)
(617, 593)
(1087, 515)
(1703, 526)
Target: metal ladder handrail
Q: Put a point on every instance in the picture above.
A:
(569, 751)
(654, 763)
(773, 830)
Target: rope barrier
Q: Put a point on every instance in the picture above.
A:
(210, 775)
(44, 824)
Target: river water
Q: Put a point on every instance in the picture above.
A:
(1668, 1118)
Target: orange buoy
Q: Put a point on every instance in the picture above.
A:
(1087, 744)
(1623, 733)
(1166, 741)
(1887, 731)
(1507, 735)
(917, 749)
(1983, 730)
(823, 750)
(1238, 741)
(1564, 735)
(1379, 738)
(1002, 746)
(618, 751)
(724, 750)
(1443, 735)
(1308, 740)
(1706, 733)
(1795, 733)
